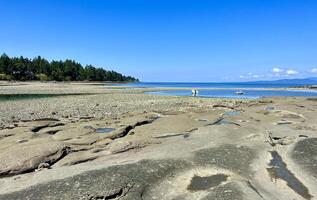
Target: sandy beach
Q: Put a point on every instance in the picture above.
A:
(96, 141)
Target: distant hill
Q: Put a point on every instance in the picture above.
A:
(304, 81)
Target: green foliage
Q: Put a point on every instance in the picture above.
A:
(42, 77)
(4, 77)
(20, 68)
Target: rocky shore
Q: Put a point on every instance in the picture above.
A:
(107, 142)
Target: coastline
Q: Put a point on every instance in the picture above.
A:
(75, 100)
(59, 145)
(36, 87)
(79, 100)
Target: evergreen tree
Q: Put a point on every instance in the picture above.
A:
(20, 68)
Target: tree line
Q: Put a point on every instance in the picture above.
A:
(38, 68)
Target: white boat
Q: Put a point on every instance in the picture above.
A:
(240, 92)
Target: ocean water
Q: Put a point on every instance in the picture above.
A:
(248, 94)
(228, 90)
(213, 85)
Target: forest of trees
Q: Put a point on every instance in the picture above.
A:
(24, 69)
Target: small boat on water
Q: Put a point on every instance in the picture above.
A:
(240, 92)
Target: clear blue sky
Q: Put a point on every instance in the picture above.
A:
(169, 40)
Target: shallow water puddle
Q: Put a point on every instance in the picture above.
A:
(203, 183)
(232, 113)
(278, 170)
(226, 122)
(170, 135)
(269, 108)
(15, 97)
(104, 130)
(222, 121)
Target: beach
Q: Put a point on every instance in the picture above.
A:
(101, 141)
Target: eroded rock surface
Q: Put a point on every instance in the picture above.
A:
(219, 151)
(305, 154)
(136, 181)
(26, 158)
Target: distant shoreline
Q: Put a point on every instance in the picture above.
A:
(148, 89)
(100, 85)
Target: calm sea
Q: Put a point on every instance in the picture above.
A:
(213, 85)
(228, 89)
